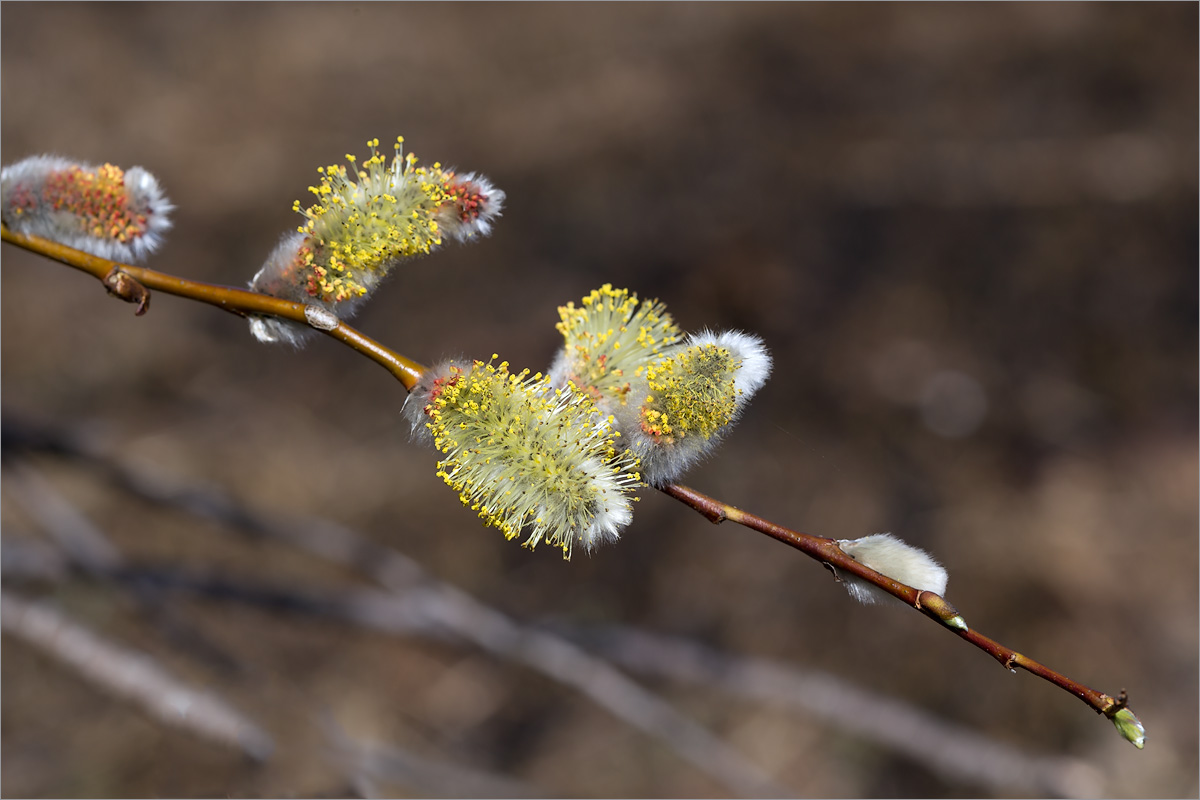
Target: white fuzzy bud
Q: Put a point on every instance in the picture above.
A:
(890, 556)
(472, 204)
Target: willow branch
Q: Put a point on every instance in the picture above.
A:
(130, 283)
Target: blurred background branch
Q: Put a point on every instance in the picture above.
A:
(133, 676)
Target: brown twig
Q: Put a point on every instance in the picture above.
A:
(409, 372)
(827, 552)
(132, 284)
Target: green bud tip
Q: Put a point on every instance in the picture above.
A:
(956, 622)
(1129, 726)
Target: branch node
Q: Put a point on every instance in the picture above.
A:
(320, 318)
(124, 286)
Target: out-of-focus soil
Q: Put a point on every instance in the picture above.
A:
(968, 234)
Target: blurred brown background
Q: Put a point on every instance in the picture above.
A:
(967, 233)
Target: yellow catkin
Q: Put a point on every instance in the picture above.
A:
(692, 393)
(524, 455)
(608, 338)
(358, 229)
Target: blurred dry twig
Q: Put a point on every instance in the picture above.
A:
(941, 746)
(133, 676)
(370, 763)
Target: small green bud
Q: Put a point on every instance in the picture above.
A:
(1129, 726)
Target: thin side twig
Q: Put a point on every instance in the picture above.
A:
(932, 605)
(236, 301)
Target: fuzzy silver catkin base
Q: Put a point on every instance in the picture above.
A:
(900, 561)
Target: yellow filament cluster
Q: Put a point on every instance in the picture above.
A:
(692, 393)
(364, 222)
(610, 336)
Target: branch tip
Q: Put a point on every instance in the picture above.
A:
(1127, 723)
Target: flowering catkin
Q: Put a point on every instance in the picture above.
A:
(112, 213)
(525, 455)
(364, 224)
(892, 557)
(687, 400)
(608, 339)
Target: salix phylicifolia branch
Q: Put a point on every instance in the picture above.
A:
(827, 551)
(630, 399)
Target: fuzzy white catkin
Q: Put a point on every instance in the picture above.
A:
(892, 557)
(666, 459)
(121, 215)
